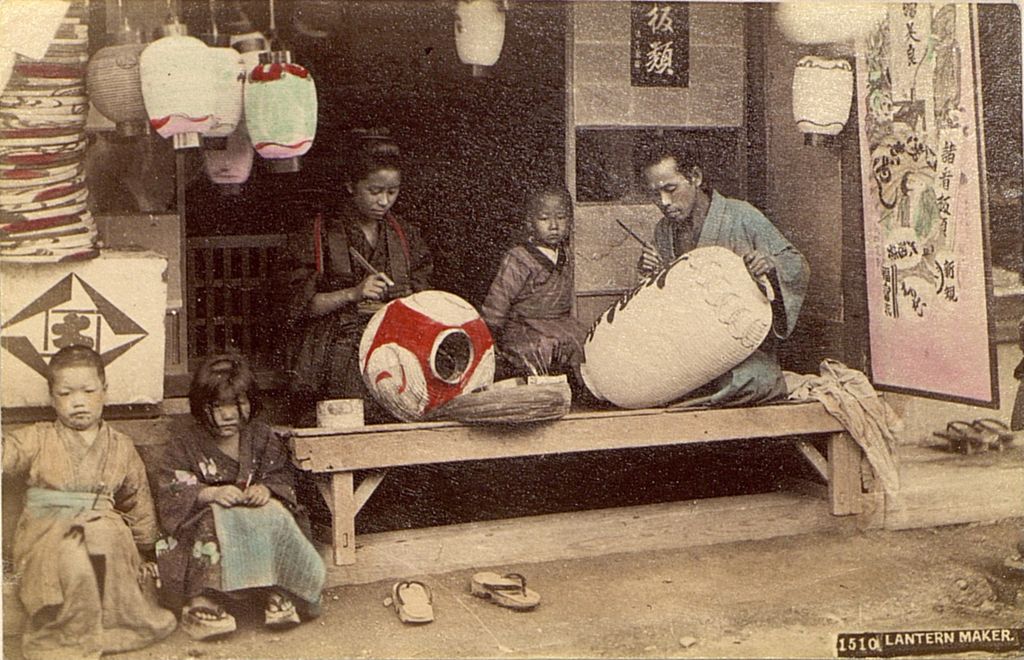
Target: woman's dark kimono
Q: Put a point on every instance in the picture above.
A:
(189, 554)
(323, 351)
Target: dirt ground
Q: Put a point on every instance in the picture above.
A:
(785, 597)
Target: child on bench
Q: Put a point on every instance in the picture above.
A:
(226, 498)
(529, 306)
(87, 523)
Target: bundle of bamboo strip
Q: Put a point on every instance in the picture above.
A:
(512, 401)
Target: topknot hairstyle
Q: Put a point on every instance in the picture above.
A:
(371, 150)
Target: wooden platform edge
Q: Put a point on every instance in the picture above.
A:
(577, 535)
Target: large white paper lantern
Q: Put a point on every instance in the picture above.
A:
(281, 110)
(179, 86)
(421, 351)
(676, 331)
(229, 74)
(479, 31)
(822, 96)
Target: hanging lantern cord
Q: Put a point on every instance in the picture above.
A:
(213, 21)
(272, 31)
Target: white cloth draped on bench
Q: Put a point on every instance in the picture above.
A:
(848, 395)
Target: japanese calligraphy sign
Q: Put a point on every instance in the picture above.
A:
(660, 44)
(923, 213)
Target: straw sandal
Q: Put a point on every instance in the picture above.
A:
(216, 622)
(964, 438)
(507, 590)
(280, 612)
(1003, 435)
(412, 601)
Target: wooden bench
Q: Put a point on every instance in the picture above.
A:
(336, 454)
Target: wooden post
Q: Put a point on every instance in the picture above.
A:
(339, 493)
(343, 514)
(844, 483)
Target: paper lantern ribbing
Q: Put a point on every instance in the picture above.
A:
(822, 95)
(421, 351)
(229, 74)
(676, 331)
(281, 109)
(479, 31)
(115, 87)
(178, 86)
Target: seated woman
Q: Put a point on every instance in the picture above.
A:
(529, 305)
(226, 500)
(330, 295)
(88, 517)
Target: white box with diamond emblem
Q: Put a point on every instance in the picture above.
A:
(114, 304)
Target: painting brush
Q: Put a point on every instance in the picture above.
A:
(366, 264)
(634, 235)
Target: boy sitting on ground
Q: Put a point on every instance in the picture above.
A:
(87, 523)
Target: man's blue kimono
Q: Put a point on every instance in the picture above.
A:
(737, 225)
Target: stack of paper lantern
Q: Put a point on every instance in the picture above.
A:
(43, 210)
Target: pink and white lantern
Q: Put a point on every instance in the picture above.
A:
(179, 85)
(419, 352)
(281, 110)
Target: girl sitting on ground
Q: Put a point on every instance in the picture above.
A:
(227, 504)
(87, 523)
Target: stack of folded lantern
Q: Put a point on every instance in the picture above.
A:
(43, 197)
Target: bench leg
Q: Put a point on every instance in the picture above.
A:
(340, 498)
(844, 479)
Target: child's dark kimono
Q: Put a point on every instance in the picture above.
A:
(274, 549)
(529, 310)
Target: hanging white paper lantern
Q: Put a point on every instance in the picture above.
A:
(178, 86)
(421, 351)
(827, 22)
(479, 31)
(115, 87)
(229, 74)
(281, 110)
(676, 331)
(822, 96)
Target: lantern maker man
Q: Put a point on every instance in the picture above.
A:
(695, 217)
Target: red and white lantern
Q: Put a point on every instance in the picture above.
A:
(419, 352)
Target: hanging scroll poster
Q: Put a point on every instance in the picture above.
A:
(660, 44)
(925, 241)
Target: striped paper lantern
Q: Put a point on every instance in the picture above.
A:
(115, 87)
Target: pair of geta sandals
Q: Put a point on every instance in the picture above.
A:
(414, 602)
(977, 436)
(203, 622)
